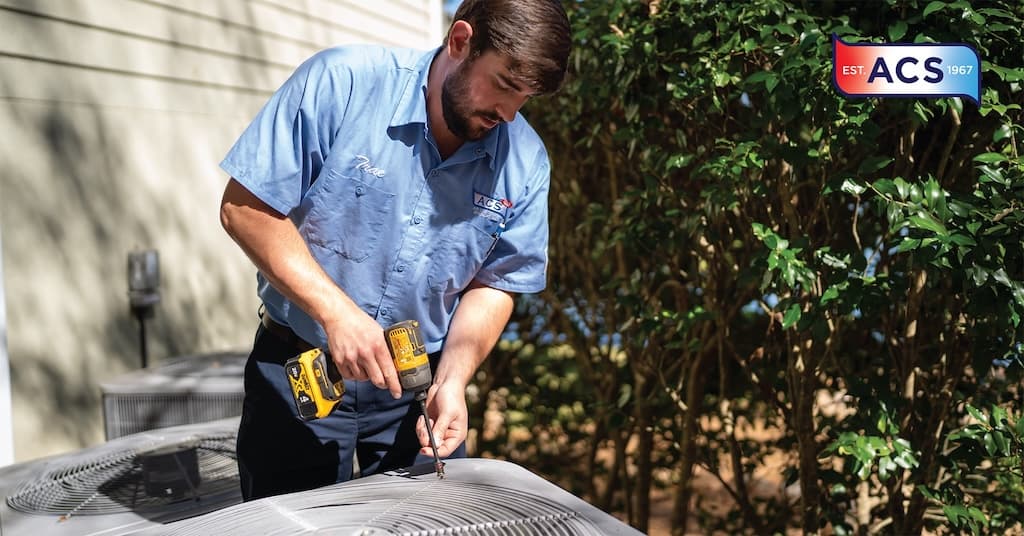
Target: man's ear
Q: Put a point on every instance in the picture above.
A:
(458, 40)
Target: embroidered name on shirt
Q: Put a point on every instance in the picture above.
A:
(363, 164)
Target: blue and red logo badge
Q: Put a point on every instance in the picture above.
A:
(906, 70)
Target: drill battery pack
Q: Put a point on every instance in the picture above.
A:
(316, 384)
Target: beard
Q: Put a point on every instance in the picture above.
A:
(457, 111)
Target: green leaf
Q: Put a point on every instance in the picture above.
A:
(1002, 133)
(928, 494)
(853, 187)
(678, 161)
(879, 446)
(977, 515)
(884, 186)
(961, 210)
(835, 262)
(1002, 446)
(886, 467)
(934, 196)
(897, 31)
(989, 174)
(998, 415)
(792, 316)
(954, 513)
(864, 470)
(992, 12)
(924, 220)
(990, 158)
(625, 393)
(902, 188)
(979, 416)
(759, 76)
(1001, 277)
(990, 443)
(962, 240)
(873, 164)
(932, 7)
(908, 244)
(978, 274)
(905, 460)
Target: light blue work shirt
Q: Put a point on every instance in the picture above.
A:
(343, 149)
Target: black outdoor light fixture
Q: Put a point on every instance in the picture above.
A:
(143, 290)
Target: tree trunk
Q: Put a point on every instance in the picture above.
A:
(617, 474)
(688, 455)
(645, 447)
(802, 384)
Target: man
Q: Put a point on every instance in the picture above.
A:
(380, 185)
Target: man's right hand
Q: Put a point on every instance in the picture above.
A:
(358, 348)
(273, 243)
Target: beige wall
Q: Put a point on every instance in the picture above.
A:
(115, 114)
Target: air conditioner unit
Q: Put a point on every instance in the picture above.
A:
(123, 485)
(180, 390)
(477, 496)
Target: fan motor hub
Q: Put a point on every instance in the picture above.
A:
(170, 471)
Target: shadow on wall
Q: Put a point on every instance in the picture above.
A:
(85, 182)
(65, 260)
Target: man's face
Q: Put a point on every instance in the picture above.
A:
(479, 95)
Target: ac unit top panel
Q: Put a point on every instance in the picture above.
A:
(52, 495)
(207, 373)
(477, 496)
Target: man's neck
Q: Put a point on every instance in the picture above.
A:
(447, 143)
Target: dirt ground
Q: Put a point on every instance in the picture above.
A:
(766, 481)
(713, 497)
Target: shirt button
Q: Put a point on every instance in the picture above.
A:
(385, 311)
(433, 173)
(417, 220)
(400, 268)
(359, 190)
(479, 152)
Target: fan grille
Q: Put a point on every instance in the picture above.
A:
(114, 482)
(399, 507)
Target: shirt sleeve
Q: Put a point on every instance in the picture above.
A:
(520, 258)
(281, 152)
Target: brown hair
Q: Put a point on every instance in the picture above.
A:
(533, 34)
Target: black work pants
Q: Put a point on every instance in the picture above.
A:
(279, 453)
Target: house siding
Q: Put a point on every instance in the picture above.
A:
(115, 116)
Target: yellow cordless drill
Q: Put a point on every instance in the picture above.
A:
(318, 387)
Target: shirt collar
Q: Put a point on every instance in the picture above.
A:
(412, 107)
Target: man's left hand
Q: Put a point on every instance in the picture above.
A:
(446, 404)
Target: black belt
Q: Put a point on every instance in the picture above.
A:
(284, 334)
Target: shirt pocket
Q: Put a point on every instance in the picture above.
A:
(461, 255)
(347, 216)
